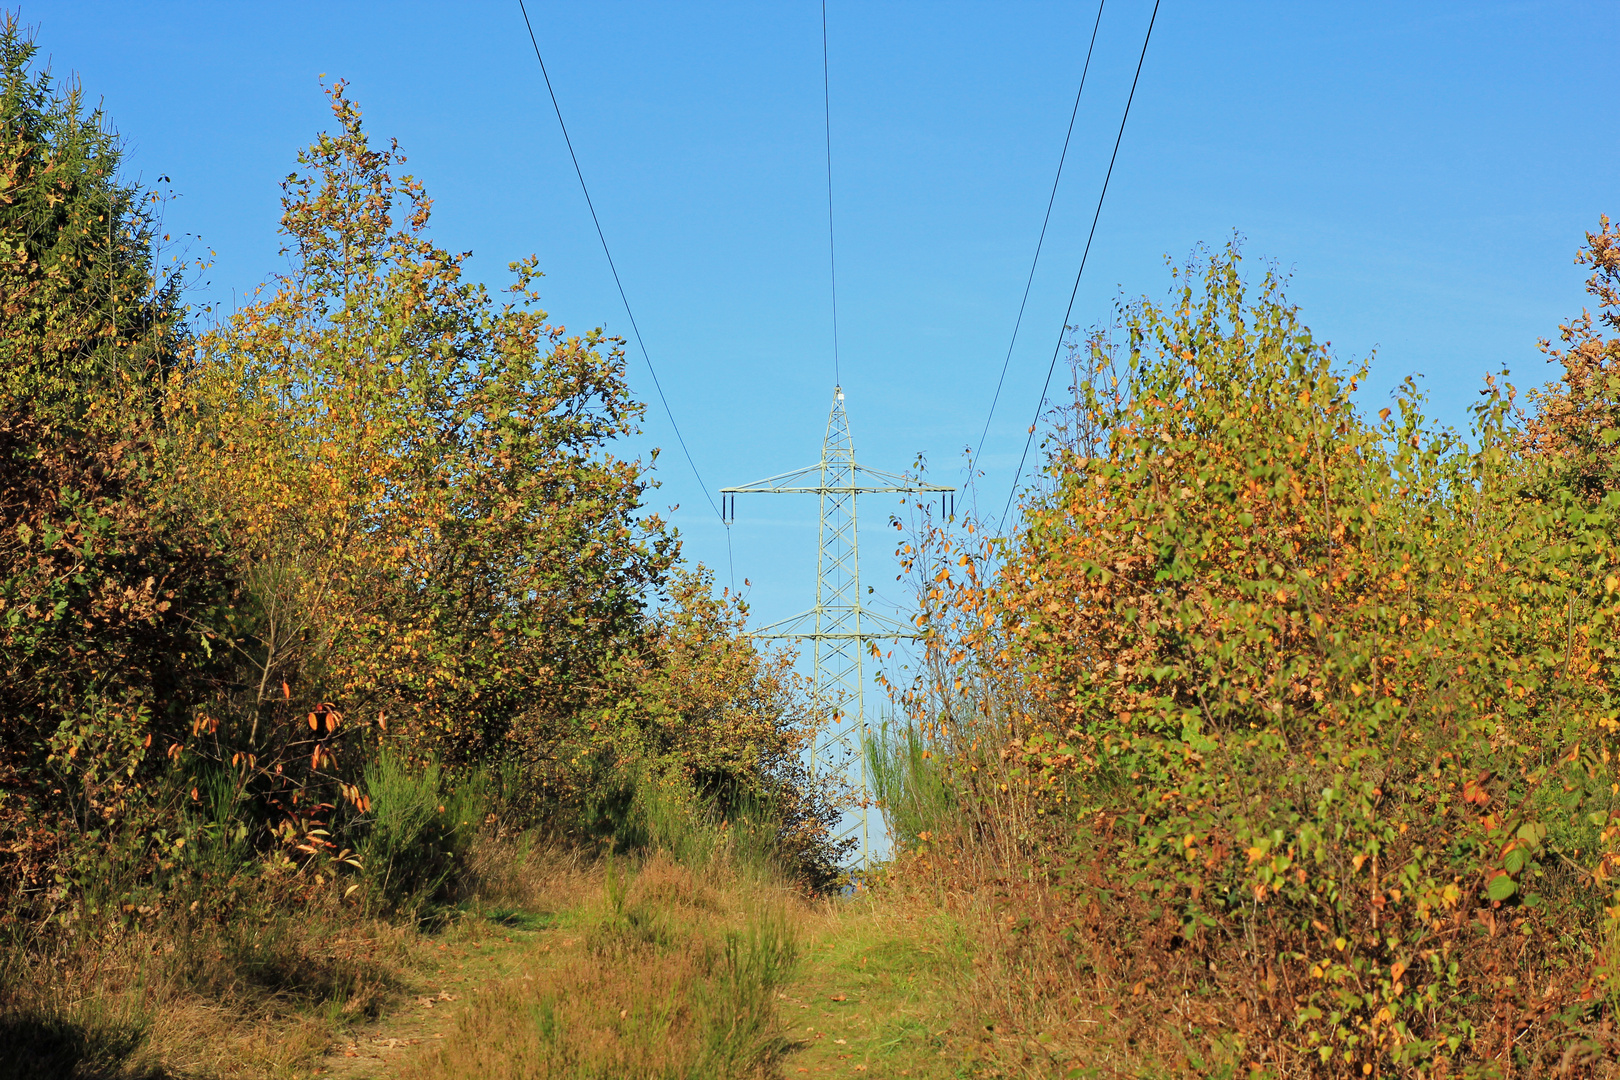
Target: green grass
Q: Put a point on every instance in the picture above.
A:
(527, 921)
(423, 825)
(910, 781)
(885, 986)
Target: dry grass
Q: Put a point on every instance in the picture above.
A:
(258, 994)
(665, 972)
(1051, 981)
(262, 988)
(1023, 985)
(628, 969)
(524, 873)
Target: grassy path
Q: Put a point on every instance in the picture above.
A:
(553, 994)
(871, 999)
(477, 957)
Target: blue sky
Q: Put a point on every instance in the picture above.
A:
(1424, 170)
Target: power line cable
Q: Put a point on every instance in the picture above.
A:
(973, 461)
(645, 356)
(1063, 331)
(832, 253)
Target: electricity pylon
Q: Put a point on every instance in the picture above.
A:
(839, 627)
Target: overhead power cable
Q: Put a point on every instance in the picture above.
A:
(1064, 329)
(832, 251)
(1018, 322)
(622, 297)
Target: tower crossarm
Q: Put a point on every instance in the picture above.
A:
(873, 625)
(809, 481)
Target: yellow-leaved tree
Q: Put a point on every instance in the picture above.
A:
(417, 484)
(444, 558)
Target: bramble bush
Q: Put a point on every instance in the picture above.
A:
(1301, 719)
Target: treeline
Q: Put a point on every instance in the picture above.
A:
(1282, 739)
(309, 595)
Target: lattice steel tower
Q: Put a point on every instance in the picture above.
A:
(839, 626)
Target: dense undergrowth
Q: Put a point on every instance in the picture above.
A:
(1286, 734)
(305, 605)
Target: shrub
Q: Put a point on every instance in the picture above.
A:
(1306, 710)
(421, 829)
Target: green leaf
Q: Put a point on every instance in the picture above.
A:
(1501, 887)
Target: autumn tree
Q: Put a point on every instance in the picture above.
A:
(102, 576)
(726, 728)
(420, 491)
(1576, 418)
(1304, 690)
